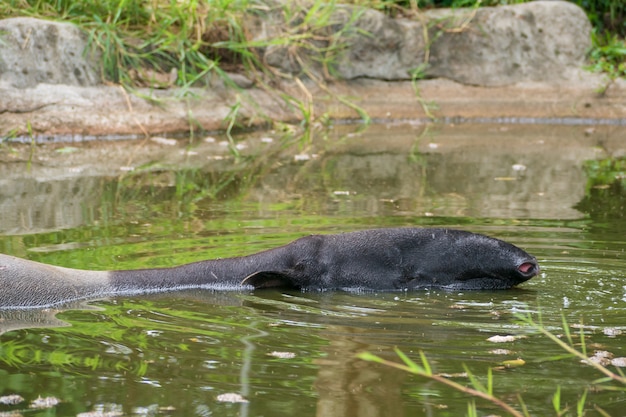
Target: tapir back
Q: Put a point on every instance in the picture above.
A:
(25, 283)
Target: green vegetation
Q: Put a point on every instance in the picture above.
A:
(605, 173)
(479, 390)
(605, 193)
(162, 43)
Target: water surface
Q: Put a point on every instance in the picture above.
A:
(274, 353)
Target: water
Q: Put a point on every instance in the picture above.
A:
(273, 353)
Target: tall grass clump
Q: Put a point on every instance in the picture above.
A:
(140, 40)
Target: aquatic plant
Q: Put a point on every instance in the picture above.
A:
(477, 389)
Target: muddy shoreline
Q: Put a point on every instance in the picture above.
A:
(74, 114)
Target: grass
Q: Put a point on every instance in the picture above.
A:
(608, 56)
(161, 43)
(477, 389)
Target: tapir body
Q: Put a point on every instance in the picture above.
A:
(368, 260)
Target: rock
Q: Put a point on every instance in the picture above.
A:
(370, 44)
(383, 48)
(354, 42)
(35, 51)
(490, 46)
(536, 41)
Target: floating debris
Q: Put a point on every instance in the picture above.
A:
(504, 339)
(104, 412)
(282, 355)
(455, 375)
(231, 397)
(619, 362)
(163, 141)
(67, 149)
(500, 352)
(583, 326)
(601, 357)
(47, 402)
(12, 399)
(611, 331)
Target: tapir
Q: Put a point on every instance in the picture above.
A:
(386, 259)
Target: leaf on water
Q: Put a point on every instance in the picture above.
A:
(514, 363)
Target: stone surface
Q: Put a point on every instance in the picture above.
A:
(490, 46)
(370, 45)
(34, 51)
(537, 41)
(77, 113)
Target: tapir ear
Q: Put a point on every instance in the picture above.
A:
(270, 279)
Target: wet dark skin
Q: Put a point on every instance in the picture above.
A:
(369, 260)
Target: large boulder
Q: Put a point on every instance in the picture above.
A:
(34, 51)
(537, 41)
(490, 46)
(356, 42)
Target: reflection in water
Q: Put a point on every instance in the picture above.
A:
(350, 387)
(28, 319)
(499, 172)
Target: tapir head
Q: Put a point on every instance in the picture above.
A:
(403, 258)
(468, 261)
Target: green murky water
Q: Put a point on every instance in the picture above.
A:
(272, 353)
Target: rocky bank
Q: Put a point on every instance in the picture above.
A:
(508, 63)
